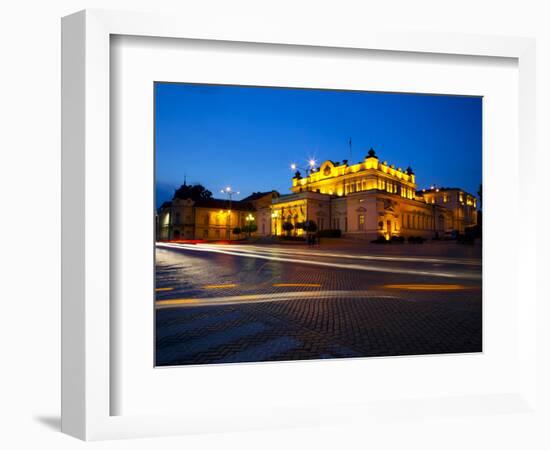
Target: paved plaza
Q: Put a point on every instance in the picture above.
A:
(231, 303)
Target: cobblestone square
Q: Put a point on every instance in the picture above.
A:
(252, 303)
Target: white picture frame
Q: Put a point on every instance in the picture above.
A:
(87, 386)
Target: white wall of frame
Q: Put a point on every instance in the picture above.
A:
(30, 173)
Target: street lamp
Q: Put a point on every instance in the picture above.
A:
(311, 165)
(249, 219)
(230, 193)
(308, 170)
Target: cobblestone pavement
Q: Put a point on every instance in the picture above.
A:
(223, 308)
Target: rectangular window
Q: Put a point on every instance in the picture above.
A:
(361, 220)
(345, 224)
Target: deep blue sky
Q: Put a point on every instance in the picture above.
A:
(247, 137)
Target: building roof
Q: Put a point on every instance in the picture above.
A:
(218, 203)
(441, 189)
(256, 196)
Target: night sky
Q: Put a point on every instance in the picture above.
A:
(247, 137)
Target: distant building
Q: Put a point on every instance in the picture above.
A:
(364, 200)
(211, 219)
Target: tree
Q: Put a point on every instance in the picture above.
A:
(480, 194)
(288, 227)
(310, 226)
(192, 191)
(250, 228)
(237, 231)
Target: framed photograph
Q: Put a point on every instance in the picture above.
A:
(332, 259)
(266, 228)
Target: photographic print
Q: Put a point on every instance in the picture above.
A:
(306, 224)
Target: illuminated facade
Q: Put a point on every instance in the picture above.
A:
(366, 200)
(371, 199)
(212, 219)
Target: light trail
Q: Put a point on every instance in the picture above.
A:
(219, 286)
(196, 248)
(256, 249)
(262, 298)
(428, 287)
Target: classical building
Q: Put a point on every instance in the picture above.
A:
(370, 199)
(366, 200)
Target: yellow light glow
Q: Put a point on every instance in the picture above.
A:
(176, 301)
(219, 286)
(164, 289)
(296, 285)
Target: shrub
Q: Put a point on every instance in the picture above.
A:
(415, 240)
(397, 239)
(332, 233)
(380, 240)
(467, 239)
(292, 238)
(237, 230)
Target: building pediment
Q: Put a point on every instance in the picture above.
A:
(389, 205)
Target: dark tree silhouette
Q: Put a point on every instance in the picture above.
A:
(310, 226)
(480, 194)
(193, 191)
(250, 228)
(288, 227)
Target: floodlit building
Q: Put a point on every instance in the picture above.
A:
(366, 200)
(370, 199)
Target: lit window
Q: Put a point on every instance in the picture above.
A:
(361, 221)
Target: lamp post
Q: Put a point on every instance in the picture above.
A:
(249, 219)
(230, 193)
(311, 166)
